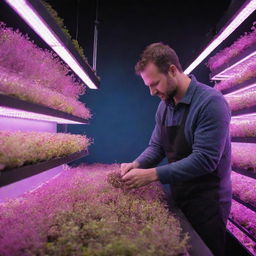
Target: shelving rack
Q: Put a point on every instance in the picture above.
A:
(226, 71)
(31, 114)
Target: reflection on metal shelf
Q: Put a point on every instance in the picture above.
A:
(35, 14)
(16, 113)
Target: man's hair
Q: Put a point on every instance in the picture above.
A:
(159, 54)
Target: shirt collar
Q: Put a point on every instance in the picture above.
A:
(188, 95)
(190, 91)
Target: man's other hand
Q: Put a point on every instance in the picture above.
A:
(136, 178)
(126, 167)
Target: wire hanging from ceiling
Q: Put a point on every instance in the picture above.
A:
(95, 41)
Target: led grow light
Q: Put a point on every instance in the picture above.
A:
(245, 116)
(26, 11)
(10, 112)
(243, 14)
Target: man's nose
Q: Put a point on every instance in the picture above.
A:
(153, 91)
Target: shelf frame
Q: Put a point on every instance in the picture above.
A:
(244, 139)
(244, 111)
(232, 62)
(237, 87)
(242, 229)
(237, 248)
(240, 201)
(8, 176)
(244, 172)
(16, 103)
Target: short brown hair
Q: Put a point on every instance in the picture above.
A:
(161, 55)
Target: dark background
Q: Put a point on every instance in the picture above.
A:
(123, 110)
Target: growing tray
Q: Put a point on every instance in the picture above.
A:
(15, 103)
(8, 176)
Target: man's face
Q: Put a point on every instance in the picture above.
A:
(160, 84)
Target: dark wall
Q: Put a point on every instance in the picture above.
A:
(123, 110)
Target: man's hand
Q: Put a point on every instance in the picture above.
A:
(126, 167)
(136, 178)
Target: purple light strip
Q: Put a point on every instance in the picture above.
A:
(10, 112)
(224, 33)
(23, 8)
(245, 116)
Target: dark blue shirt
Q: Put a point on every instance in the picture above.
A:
(206, 131)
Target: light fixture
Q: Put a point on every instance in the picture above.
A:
(35, 21)
(244, 116)
(243, 14)
(16, 113)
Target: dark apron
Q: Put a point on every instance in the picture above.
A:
(197, 198)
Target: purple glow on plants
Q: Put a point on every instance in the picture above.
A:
(243, 156)
(41, 28)
(233, 69)
(224, 33)
(242, 100)
(80, 212)
(243, 127)
(16, 113)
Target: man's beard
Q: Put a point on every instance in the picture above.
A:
(171, 93)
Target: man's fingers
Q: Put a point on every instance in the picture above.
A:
(125, 167)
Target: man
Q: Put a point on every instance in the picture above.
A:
(192, 131)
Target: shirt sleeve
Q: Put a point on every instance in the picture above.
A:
(210, 135)
(154, 153)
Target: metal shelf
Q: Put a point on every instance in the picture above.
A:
(242, 229)
(239, 86)
(248, 205)
(244, 139)
(232, 62)
(234, 247)
(248, 110)
(9, 176)
(244, 172)
(16, 103)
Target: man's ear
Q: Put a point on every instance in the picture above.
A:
(172, 70)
